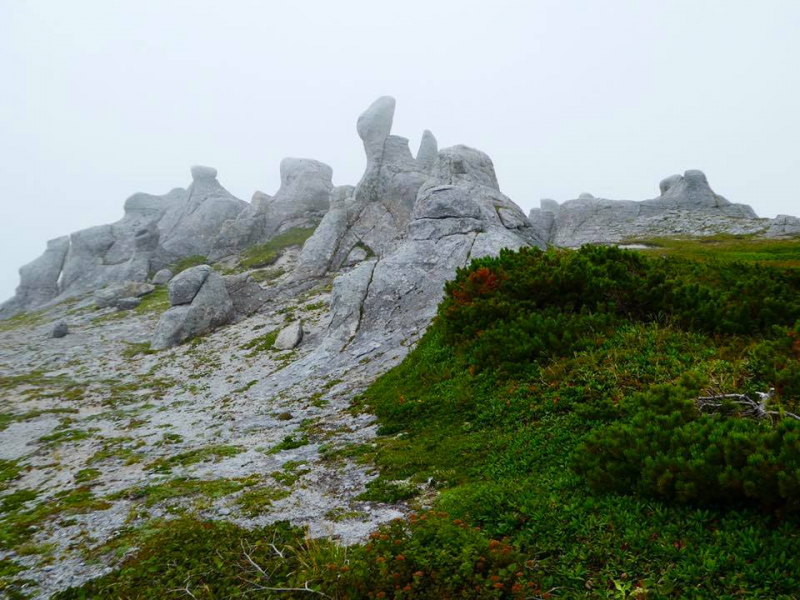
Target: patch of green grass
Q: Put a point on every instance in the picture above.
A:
(390, 492)
(264, 255)
(27, 320)
(261, 343)
(730, 248)
(290, 474)
(314, 306)
(12, 587)
(187, 263)
(338, 515)
(170, 438)
(135, 349)
(246, 386)
(15, 500)
(156, 301)
(122, 448)
(86, 475)
(18, 525)
(9, 471)
(64, 436)
(7, 418)
(289, 443)
(185, 459)
(267, 275)
(256, 501)
(181, 487)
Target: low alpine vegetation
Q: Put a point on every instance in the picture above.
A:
(590, 424)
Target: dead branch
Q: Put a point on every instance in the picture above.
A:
(748, 407)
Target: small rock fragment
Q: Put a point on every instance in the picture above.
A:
(60, 330)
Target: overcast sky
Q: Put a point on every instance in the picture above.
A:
(101, 99)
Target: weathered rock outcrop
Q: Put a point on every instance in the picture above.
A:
(687, 206)
(300, 203)
(155, 231)
(373, 216)
(407, 226)
(110, 295)
(191, 227)
(39, 279)
(199, 303)
(201, 300)
(783, 225)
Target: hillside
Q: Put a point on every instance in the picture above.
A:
(403, 388)
(543, 440)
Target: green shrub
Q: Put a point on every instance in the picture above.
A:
(668, 449)
(524, 306)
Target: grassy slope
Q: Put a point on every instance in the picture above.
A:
(512, 519)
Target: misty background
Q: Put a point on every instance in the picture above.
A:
(99, 100)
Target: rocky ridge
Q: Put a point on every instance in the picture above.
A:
(686, 206)
(223, 389)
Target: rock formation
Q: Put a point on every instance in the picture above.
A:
(39, 279)
(301, 202)
(199, 303)
(783, 225)
(687, 206)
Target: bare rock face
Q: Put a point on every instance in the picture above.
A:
(405, 229)
(687, 206)
(154, 232)
(39, 278)
(375, 215)
(245, 293)
(428, 151)
(319, 251)
(783, 226)
(128, 303)
(301, 202)
(191, 227)
(202, 300)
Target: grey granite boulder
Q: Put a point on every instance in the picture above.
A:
(59, 330)
(128, 303)
(110, 295)
(200, 172)
(245, 293)
(290, 336)
(185, 285)
(376, 214)
(210, 308)
(162, 277)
